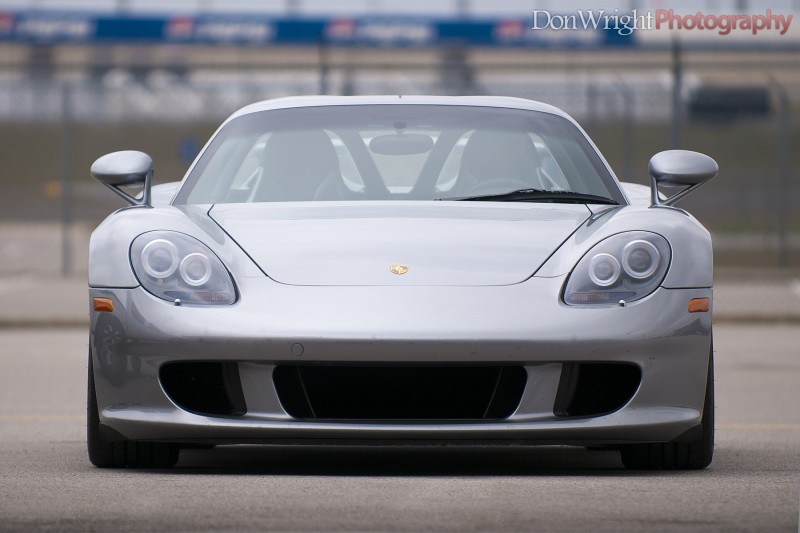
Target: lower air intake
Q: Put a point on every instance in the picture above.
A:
(594, 389)
(206, 388)
(399, 392)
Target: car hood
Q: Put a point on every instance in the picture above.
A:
(444, 243)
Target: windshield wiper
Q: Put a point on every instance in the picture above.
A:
(537, 195)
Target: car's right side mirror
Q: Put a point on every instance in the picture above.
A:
(679, 168)
(128, 168)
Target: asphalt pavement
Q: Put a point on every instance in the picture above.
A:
(47, 483)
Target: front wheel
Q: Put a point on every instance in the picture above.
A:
(121, 453)
(693, 455)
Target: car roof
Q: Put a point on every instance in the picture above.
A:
(399, 99)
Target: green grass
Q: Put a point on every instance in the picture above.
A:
(744, 198)
(34, 162)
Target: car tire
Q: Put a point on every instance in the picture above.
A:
(122, 453)
(693, 455)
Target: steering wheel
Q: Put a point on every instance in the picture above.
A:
(497, 186)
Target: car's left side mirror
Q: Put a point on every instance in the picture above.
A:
(679, 168)
(128, 168)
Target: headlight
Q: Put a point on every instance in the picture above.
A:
(159, 258)
(640, 259)
(174, 266)
(627, 266)
(604, 270)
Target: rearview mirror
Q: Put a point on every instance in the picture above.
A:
(401, 144)
(679, 168)
(128, 168)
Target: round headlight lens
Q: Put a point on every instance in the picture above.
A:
(160, 258)
(640, 259)
(195, 269)
(604, 270)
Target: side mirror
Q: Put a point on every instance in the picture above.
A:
(679, 168)
(126, 169)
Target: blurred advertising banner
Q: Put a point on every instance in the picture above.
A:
(254, 30)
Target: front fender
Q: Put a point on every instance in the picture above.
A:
(692, 253)
(109, 247)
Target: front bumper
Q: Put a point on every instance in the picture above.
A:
(524, 324)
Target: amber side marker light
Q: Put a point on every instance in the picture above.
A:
(698, 305)
(103, 304)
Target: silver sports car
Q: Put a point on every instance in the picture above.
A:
(398, 269)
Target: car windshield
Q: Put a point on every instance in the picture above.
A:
(398, 152)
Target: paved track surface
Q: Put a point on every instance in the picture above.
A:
(47, 483)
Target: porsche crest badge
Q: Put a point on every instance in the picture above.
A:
(398, 269)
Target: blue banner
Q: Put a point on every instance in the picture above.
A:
(241, 30)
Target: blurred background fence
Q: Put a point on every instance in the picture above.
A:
(61, 107)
